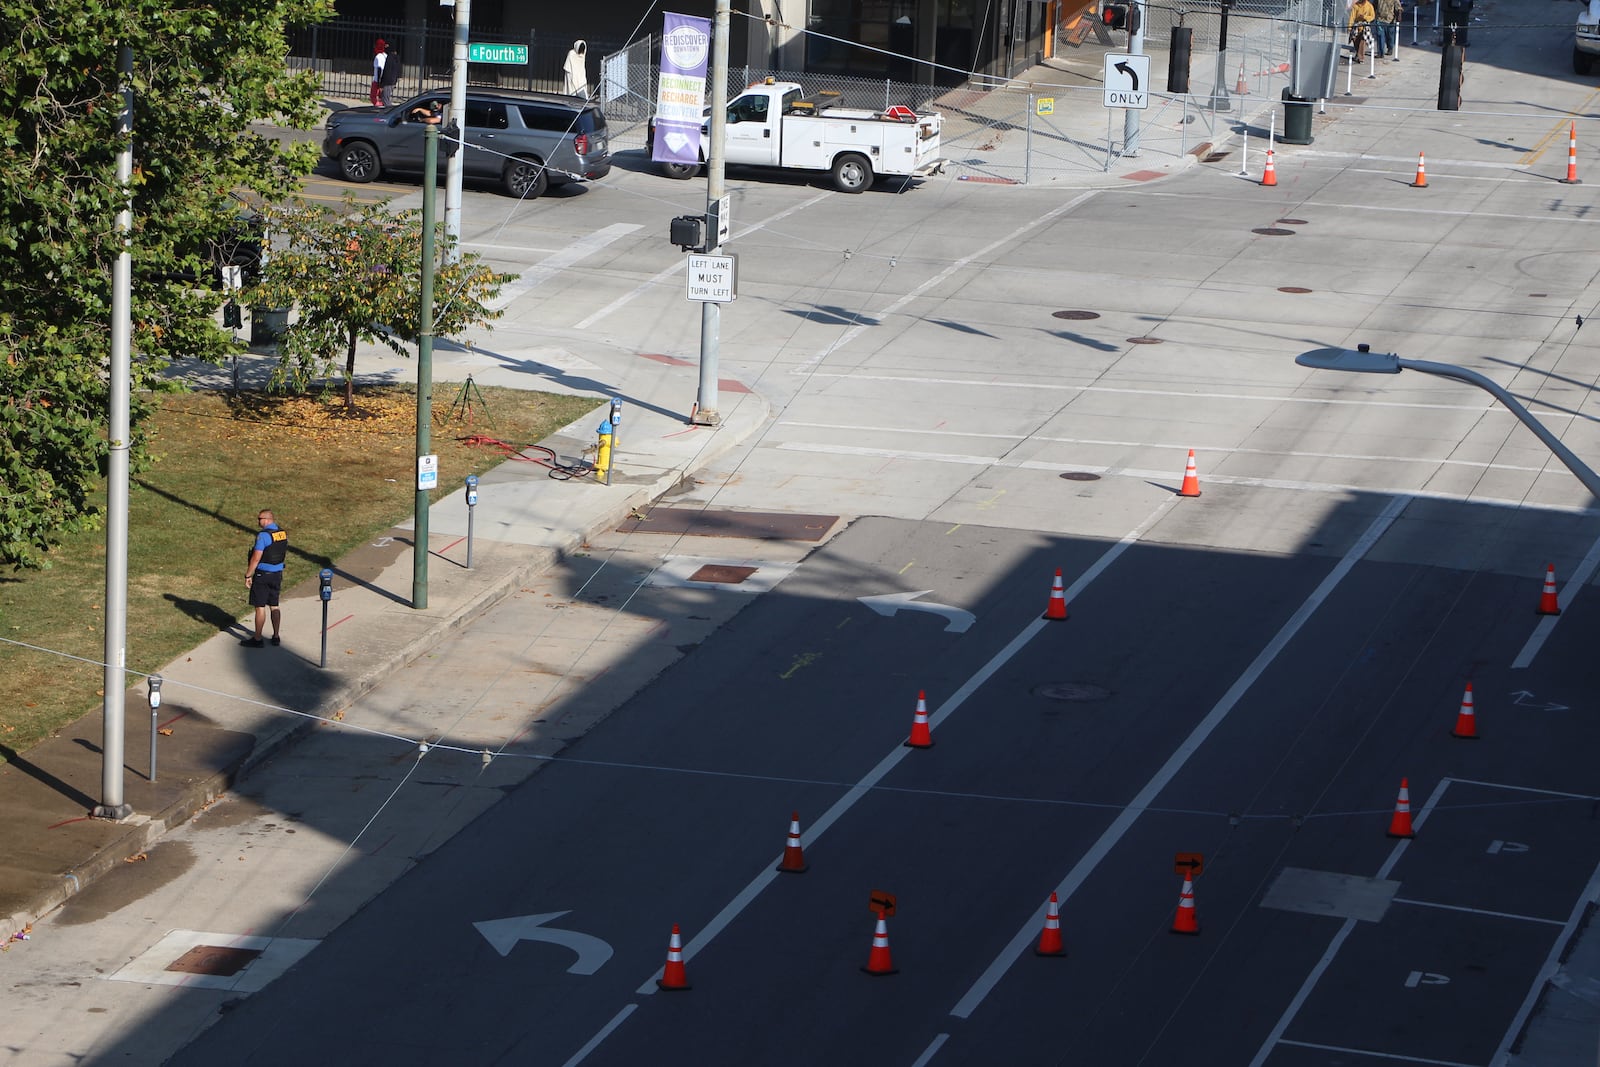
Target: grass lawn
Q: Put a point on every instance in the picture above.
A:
(333, 479)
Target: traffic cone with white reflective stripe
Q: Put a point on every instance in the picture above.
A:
(921, 736)
(1050, 937)
(1191, 479)
(1185, 921)
(1422, 173)
(1466, 721)
(1548, 604)
(1057, 608)
(1572, 156)
(794, 858)
(879, 960)
(673, 976)
(1400, 825)
(1269, 175)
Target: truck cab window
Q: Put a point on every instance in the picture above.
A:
(748, 109)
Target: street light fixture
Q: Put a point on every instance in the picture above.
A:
(1364, 360)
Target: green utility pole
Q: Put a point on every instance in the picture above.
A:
(419, 550)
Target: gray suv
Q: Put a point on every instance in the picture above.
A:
(526, 141)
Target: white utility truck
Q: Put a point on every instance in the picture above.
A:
(775, 124)
(1586, 43)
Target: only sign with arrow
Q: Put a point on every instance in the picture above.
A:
(1127, 81)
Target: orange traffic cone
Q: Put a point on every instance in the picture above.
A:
(1548, 604)
(1269, 176)
(1422, 173)
(1050, 937)
(1400, 825)
(921, 736)
(1185, 921)
(1240, 88)
(794, 859)
(879, 961)
(1057, 608)
(673, 976)
(1466, 721)
(1191, 480)
(1572, 156)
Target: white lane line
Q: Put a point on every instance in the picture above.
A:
(769, 873)
(1328, 955)
(1522, 789)
(604, 1032)
(661, 276)
(938, 1042)
(536, 275)
(1552, 963)
(955, 266)
(1478, 911)
(1191, 744)
(1568, 593)
(1379, 1055)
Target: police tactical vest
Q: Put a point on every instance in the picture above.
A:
(278, 550)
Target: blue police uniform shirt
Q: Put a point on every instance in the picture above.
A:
(263, 539)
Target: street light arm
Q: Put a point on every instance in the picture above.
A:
(1590, 480)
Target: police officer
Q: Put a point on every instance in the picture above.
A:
(263, 576)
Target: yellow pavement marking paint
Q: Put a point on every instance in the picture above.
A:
(1531, 156)
(985, 505)
(952, 529)
(804, 659)
(907, 567)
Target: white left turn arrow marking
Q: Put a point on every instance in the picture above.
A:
(504, 934)
(890, 603)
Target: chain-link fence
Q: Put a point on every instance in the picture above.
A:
(340, 53)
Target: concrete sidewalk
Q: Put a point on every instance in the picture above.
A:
(227, 707)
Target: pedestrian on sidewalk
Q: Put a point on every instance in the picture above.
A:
(388, 76)
(575, 71)
(1388, 27)
(380, 56)
(263, 576)
(1361, 18)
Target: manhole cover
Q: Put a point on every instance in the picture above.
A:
(1272, 231)
(214, 960)
(1293, 222)
(722, 572)
(1076, 692)
(1076, 316)
(1080, 476)
(1293, 289)
(1144, 340)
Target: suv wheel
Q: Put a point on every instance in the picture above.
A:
(526, 179)
(358, 162)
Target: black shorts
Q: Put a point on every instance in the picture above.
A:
(264, 588)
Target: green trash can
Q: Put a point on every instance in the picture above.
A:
(1296, 119)
(268, 325)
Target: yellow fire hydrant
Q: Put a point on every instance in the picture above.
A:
(602, 459)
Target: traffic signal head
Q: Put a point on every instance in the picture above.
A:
(1115, 16)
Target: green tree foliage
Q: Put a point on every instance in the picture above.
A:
(358, 277)
(202, 74)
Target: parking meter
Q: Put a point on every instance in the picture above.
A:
(325, 591)
(472, 507)
(155, 702)
(325, 576)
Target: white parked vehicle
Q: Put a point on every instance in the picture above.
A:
(775, 124)
(1586, 43)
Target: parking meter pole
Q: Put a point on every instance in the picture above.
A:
(706, 400)
(112, 805)
(155, 703)
(472, 507)
(325, 579)
(419, 550)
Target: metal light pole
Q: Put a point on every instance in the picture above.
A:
(705, 409)
(112, 805)
(1219, 91)
(419, 550)
(1130, 116)
(458, 104)
(1364, 360)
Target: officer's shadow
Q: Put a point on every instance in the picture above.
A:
(210, 614)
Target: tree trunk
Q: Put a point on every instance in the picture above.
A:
(350, 375)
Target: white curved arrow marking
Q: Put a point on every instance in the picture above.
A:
(504, 934)
(1525, 699)
(890, 603)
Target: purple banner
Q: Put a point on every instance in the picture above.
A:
(681, 97)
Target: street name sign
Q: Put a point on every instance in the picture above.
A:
(497, 53)
(1127, 81)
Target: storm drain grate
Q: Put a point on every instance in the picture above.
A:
(722, 573)
(214, 960)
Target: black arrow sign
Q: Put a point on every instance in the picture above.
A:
(1128, 71)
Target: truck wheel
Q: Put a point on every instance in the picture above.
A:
(680, 170)
(1582, 62)
(525, 179)
(851, 173)
(358, 162)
